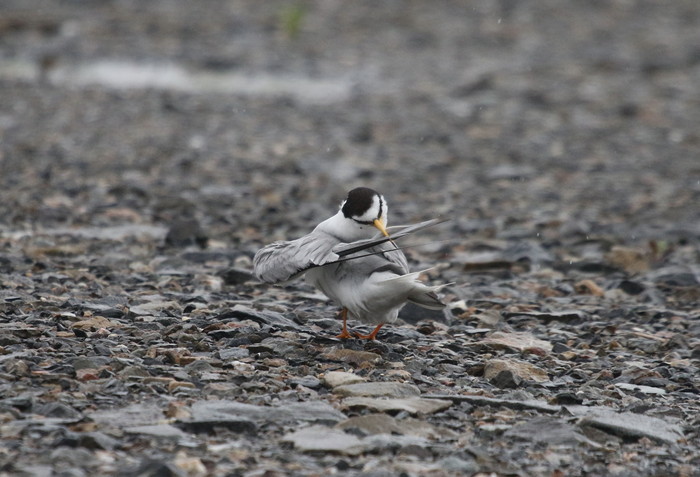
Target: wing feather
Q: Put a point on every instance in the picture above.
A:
(282, 261)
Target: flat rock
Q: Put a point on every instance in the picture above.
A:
(489, 401)
(134, 415)
(311, 411)
(157, 430)
(390, 442)
(324, 439)
(640, 388)
(386, 424)
(333, 379)
(549, 430)
(413, 405)
(561, 315)
(266, 317)
(378, 389)
(627, 424)
(518, 341)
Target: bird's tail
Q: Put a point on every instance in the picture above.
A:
(417, 292)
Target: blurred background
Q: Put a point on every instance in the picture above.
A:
(541, 119)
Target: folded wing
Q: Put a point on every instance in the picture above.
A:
(283, 261)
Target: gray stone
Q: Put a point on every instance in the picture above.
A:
(640, 388)
(518, 341)
(385, 424)
(324, 439)
(312, 411)
(456, 464)
(549, 430)
(388, 442)
(57, 409)
(134, 415)
(414, 405)
(231, 354)
(516, 371)
(627, 424)
(157, 430)
(488, 401)
(334, 379)
(378, 389)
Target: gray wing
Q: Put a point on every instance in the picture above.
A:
(380, 258)
(394, 257)
(282, 261)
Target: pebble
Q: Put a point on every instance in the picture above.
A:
(518, 341)
(351, 356)
(334, 379)
(519, 370)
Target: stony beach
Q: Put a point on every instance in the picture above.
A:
(149, 149)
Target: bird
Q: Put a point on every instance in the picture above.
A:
(353, 260)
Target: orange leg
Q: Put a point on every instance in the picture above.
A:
(344, 334)
(372, 335)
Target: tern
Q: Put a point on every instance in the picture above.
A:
(353, 260)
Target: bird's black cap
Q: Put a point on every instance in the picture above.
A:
(359, 201)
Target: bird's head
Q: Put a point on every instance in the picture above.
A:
(364, 212)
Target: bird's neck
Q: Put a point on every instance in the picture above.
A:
(346, 229)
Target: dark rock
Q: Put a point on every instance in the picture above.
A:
(241, 417)
(231, 354)
(551, 431)
(631, 287)
(413, 314)
(567, 398)
(506, 379)
(306, 381)
(560, 348)
(185, 232)
(153, 468)
(57, 409)
(676, 277)
(235, 276)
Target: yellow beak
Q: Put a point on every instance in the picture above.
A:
(380, 225)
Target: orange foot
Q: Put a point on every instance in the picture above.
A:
(345, 334)
(372, 335)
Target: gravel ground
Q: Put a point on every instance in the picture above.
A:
(148, 149)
